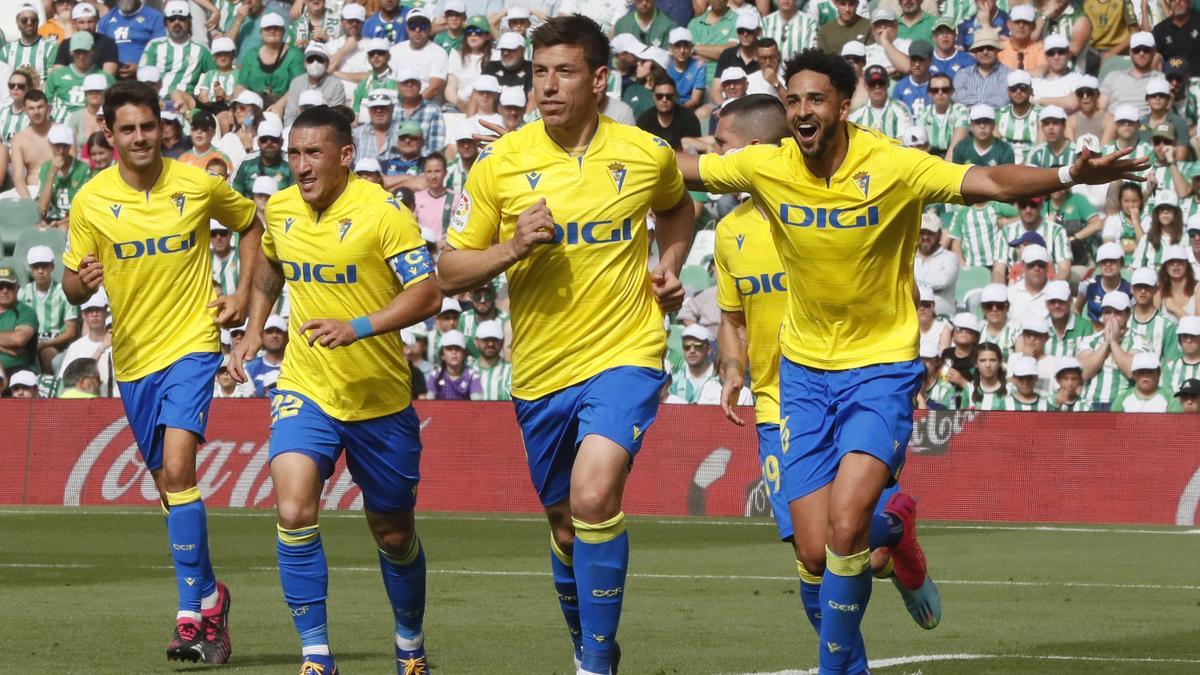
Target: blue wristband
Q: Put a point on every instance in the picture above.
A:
(362, 327)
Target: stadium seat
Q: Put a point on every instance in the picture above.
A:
(19, 267)
(703, 245)
(695, 277)
(675, 338)
(55, 239)
(16, 217)
(970, 279)
(1114, 63)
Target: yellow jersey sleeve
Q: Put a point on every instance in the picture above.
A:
(228, 207)
(475, 222)
(670, 188)
(727, 295)
(734, 171)
(81, 240)
(935, 180)
(402, 245)
(268, 240)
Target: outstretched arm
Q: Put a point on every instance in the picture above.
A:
(1009, 182)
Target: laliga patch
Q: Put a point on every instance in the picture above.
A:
(462, 212)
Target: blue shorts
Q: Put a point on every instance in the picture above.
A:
(770, 457)
(828, 414)
(177, 396)
(619, 404)
(383, 453)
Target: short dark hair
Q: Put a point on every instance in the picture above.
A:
(128, 92)
(839, 72)
(36, 95)
(204, 121)
(662, 79)
(576, 30)
(98, 139)
(433, 155)
(79, 369)
(760, 116)
(766, 43)
(942, 75)
(324, 116)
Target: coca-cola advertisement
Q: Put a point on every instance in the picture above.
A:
(1028, 467)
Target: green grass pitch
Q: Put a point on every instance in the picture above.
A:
(90, 591)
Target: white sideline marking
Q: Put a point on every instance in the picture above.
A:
(637, 575)
(908, 660)
(700, 520)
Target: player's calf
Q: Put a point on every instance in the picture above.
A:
(402, 563)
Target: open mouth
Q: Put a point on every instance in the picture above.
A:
(307, 182)
(807, 131)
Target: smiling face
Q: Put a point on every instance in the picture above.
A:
(816, 111)
(136, 134)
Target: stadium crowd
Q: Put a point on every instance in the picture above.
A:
(1084, 301)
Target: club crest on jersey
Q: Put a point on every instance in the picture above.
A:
(533, 177)
(616, 171)
(863, 180)
(287, 224)
(116, 210)
(178, 199)
(343, 228)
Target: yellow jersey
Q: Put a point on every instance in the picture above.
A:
(847, 243)
(157, 265)
(750, 280)
(583, 303)
(349, 261)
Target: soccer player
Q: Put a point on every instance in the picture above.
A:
(845, 206)
(357, 270)
(565, 199)
(752, 294)
(141, 228)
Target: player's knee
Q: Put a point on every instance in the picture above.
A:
(564, 539)
(847, 534)
(395, 542)
(813, 562)
(294, 514)
(177, 474)
(594, 504)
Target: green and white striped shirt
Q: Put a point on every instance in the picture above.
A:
(1020, 131)
(1190, 207)
(1147, 254)
(40, 55)
(1040, 404)
(180, 64)
(496, 381)
(11, 122)
(825, 11)
(958, 10)
(227, 273)
(1174, 373)
(1080, 405)
(1043, 156)
(1140, 149)
(52, 308)
(1109, 383)
(941, 126)
(975, 229)
(468, 323)
(1158, 333)
(226, 15)
(332, 23)
(207, 82)
(1057, 242)
(988, 401)
(64, 88)
(1005, 339)
(792, 36)
(1068, 344)
(892, 119)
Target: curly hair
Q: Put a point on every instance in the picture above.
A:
(840, 73)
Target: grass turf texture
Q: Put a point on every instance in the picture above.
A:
(90, 590)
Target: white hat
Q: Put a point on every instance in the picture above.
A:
(517, 12)
(656, 54)
(487, 83)
(1158, 85)
(248, 97)
(38, 255)
(177, 8)
(99, 300)
(455, 6)
(381, 98)
(168, 116)
(1193, 223)
(489, 330)
(417, 13)
(732, 74)
(679, 34)
(61, 134)
(1055, 41)
(966, 321)
(23, 378)
(276, 322)
(1141, 39)
(224, 45)
(624, 43)
(419, 330)
(1144, 276)
(1019, 77)
(883, 14)
(854, 48)
(929, 350)
(1188, 325)
(1035, 324)
(1174, 252)
(95, 82)
(407, 74)
(368, 165)
(1145, 361)
(1058, 289)
(1089, 141)
(241, 328)
(356, 12)
(264, 185)
(1086, 81)
(376, 45)
(450, 305)
(697, 332)
(748, 21)
(512, 97)
(1051, 112)
(1109, 251)
(271, 20)
(1024, 366)
(511, 40)
(1067, 363)
(914, 136)
(317, 48)
(1035, 253)
(1125, 113)
(311, 97)
(464, 131)
(453, 338)
(82, 10)
(1022, 13)
(26, 7)
(982, 111)
(930, 222)
(215, 225)
(1166, 198)
(148, 74)
(1117, 300)
(270, 128)
(994, 293)
(924, 294)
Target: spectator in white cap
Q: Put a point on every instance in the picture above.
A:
(732, 85)
(519, 18)
(180, 61)
(1177, 284)
(379, 76)
(89, 119)
(261, 190)
(791, 28)
(646, 23)
(269, 161)
(1107, 355)
(64, 86)
(512, 69)
(1057, 85)
(270, 68)
(698, 377)
(263, 370)
(1018, 123)
(225, 263)
(936, 267)
(1066, 327)
(989, 388)
(1035, 334)
(1056, 150)
(491, 369)
(445, 321)
(415, 107)
(420, 53)
(1158, 100)
(368, 168)
(983, 148)
(889, 50)
(311, 98)
(317, 77)
(348, 51)
(451, 380)
(1030, 221)
(83, 18)
(1127, 86)
(1146, 394)
(1166, 230)
(958, 368)
(173, 142)
(467, 152)
(377, 139)
(935, 393)
(466, 61)
(1125, 123)
(743, 55)
(915, 137)
(1023, 395)
(935, 330)
(55, 315)
(1148, 322)
(1085, 114)
(216, 86)
(484, 97)
(512, 107)
(95, 340)
(245, 113)
(993, 300)
(449, 26)
(1021, 51)
(1068, 381)
(882, 112)
(625, 49)
(1182, 361)
(1109, 261)
(60, 179)
(224, 386)
(23, 384)
(318, 21)
(1026, 296)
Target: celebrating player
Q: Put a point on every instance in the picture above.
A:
(141, 228)
(752, 294)
(845, 207)
(566, 201)
(357, 271)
